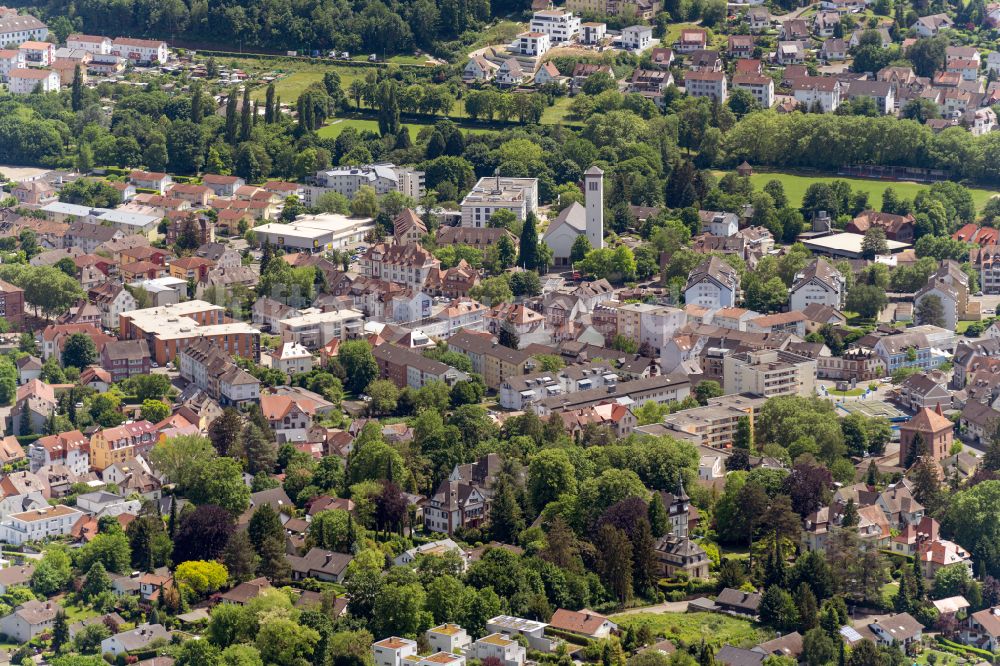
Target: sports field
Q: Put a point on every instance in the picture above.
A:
(796, 185)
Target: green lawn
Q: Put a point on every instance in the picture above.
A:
(962, 326)
(293, 76)
(889, 591)
(715, 628)
(796, 185)
(556, 113)
(338, 125)
(850, 393)
(674, 32)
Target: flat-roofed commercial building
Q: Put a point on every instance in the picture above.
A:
(315, 233)
(168, 329)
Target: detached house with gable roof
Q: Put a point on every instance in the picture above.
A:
(713, 284)
(818, 283)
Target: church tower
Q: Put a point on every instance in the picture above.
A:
(593, 188)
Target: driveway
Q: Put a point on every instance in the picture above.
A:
(668, 607)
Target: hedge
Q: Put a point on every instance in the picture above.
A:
(986, 654)
(569, 637)
(321, 59)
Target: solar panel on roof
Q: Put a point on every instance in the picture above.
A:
(850, 633)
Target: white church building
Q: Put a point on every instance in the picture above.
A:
(576, 220)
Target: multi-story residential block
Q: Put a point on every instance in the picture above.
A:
(89, 43)
(819, 283)
(521, 392)
(758, 85)
(151, 180)
(109, 446)
(406, 367)
(592, 33)
(492, 193)
(140, 51)
(112, 299)
(71, 449)
(883, 93)
(126, 358)
(491, 359)
(648, 324)
(38, 54)
(39, 524)
(17, 28)
(383, 178)
(312, 330)
(10, 59)
(713, 284)
(904, 350)
(637, 38)
(212, 369)
(23, 81)
(950, 286)
(770, 373)
(560, 25)
(408, 264)
(817, 93)
(716, 423)
(292, 359)
(709, 84)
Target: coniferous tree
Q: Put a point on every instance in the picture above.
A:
(269, 104)
(60, 627)
(246, 119)
(197, 106)
(76, 98)
(232, 123)
(506, 520)
(528, 258)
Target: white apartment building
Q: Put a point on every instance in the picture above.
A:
(492, 193)
(313, 329)
(394, 651)
(650, 324)
(758, 85)
(770, 373)
(813, 90)
(140, 50)
(637, 38)
(39, 524)
(819, 283)
(22, 81)
(383, 178)
(707, 84)
(534, 44)
(15, 28)
(560, 25)
(71, 449)
(292, 359)
(91, 43)
(38, 54)
(507, 650)
(10, 59)
(448, 638)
